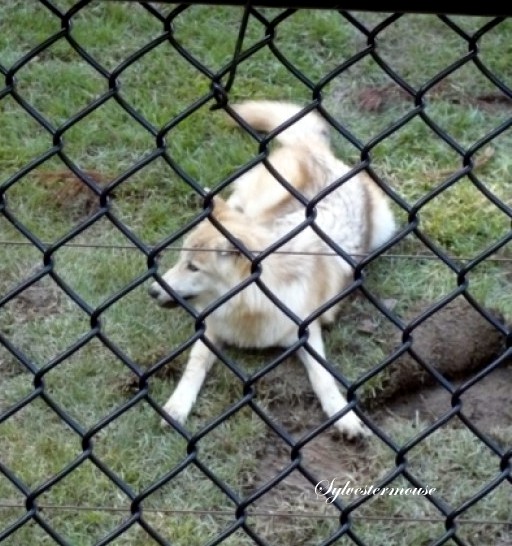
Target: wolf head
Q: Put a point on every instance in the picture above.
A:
(209, 264)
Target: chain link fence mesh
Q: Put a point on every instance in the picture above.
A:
(48, 498)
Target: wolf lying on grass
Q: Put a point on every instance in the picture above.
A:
(356, 216)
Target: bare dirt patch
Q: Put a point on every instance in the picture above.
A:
(487, 404)
(36, 302)
(456, 341)
(377, 98)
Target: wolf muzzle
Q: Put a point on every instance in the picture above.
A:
(157, 293)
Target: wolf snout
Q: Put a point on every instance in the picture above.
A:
(163, 299)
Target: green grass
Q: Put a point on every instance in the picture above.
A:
(92, 383)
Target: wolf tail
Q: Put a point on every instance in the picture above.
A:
(269, 115)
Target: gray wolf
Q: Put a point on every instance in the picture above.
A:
(260, 211)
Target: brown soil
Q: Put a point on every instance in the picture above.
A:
(456, 341)
(487, 404)
(375, 99)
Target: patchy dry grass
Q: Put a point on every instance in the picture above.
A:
(92, 383)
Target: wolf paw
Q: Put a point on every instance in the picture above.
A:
(351, 427)
(175, 410)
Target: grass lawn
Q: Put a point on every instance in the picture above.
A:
(92, 383)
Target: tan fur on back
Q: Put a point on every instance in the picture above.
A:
(361, 214)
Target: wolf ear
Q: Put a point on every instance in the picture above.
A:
(219, 206)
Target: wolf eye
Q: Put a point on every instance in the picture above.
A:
(192, 267)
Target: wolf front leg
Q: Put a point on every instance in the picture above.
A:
(185, 394)
(326, 389)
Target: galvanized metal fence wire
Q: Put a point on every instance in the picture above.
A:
(218, 97)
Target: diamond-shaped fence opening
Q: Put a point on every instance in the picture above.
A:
(120, 137)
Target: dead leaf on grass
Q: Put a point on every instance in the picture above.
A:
(371, 99)
(390, 303)
(367, 326)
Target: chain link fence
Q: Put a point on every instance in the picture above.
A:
(86, 357)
